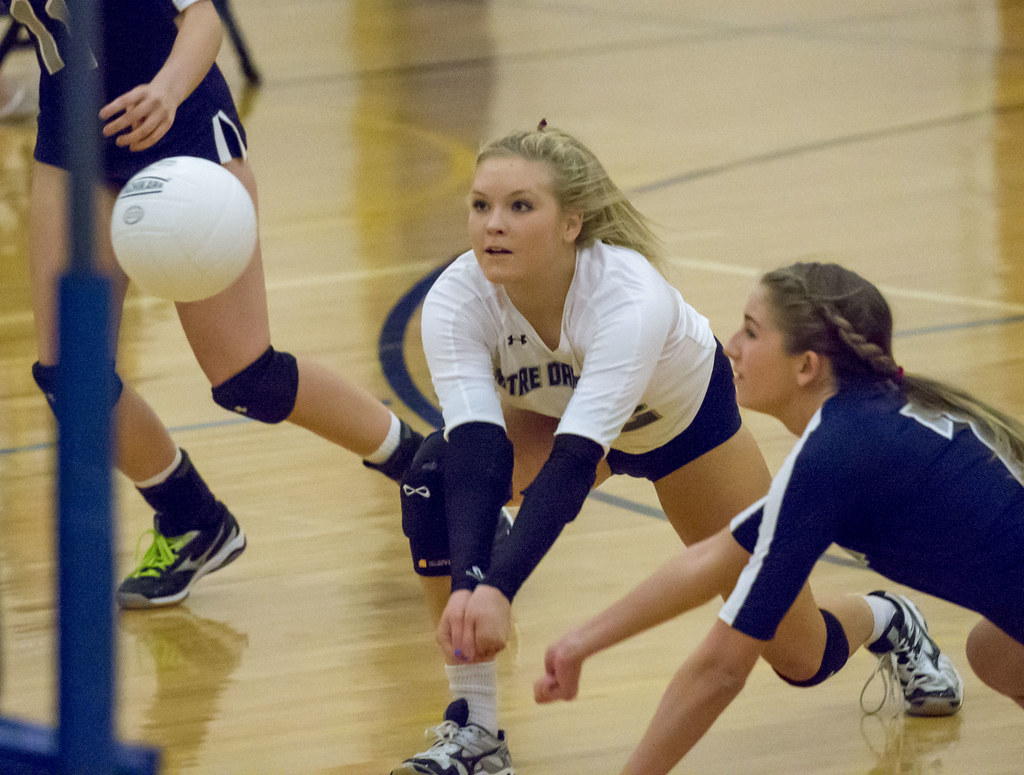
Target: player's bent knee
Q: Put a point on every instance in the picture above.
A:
(46, 377)
(997, 659)
(423, 515)
(265, 390)
(837, 651)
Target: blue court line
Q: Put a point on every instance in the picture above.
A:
(827, 144)
(391, 350)
(177, 429)
(1005, 321)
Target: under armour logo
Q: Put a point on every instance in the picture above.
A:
(512, 339)
(475, 573)
(408, 489)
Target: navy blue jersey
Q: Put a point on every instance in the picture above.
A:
(920, 497)
(137, 39)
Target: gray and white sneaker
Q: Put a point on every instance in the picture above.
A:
(172, 564)
(461, 749)
(906, 652)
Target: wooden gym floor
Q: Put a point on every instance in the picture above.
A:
(887, 135)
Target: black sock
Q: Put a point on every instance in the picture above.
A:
(396, 465)
(182, 501)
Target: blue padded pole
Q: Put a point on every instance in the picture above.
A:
(85, 441)
(84, 536)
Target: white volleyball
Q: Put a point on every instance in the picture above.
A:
(183, 228)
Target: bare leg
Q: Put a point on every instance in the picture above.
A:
(230, 330)
(143, 445)
(436, 590)
(997, 659)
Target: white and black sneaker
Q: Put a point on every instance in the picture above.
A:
(930, 683)
(461, 749)
(172, 564)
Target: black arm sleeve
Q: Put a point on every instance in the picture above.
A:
(477, 483)
(554, 498)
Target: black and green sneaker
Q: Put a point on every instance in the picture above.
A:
(172, 564)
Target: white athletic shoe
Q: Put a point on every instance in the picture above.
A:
(461, 749)
(907, 654)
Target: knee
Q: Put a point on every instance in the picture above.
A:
(265, 390)
(997, 659)
(48, 380)
(424, 520)
(837, 651)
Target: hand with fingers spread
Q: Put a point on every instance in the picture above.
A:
(139, 117)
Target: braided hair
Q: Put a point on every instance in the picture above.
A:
(835, 312)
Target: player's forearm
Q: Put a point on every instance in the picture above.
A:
(702, 688)
(195, 50)
(689, 579)
(477, 482)
(553, 499)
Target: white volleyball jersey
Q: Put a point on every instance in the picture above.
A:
(630, 371)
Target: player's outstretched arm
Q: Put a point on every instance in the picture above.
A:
(688, 580)
(701, 689)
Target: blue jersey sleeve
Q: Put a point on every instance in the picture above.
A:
(795, 523)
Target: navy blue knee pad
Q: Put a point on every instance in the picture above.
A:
(837, 651)
(424, 521)
(264, 390)
(46, 379)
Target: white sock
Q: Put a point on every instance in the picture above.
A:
(478, 683)
(390, 443)
(161, 477)
(883, 611)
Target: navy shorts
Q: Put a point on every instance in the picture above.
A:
(206, 125)
(717, 421)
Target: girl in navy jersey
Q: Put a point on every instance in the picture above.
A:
(923, 481)
(164, 96)
(560, 356)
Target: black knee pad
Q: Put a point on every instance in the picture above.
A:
(837, 651)
(264, 390)
(46, 379)
(423, 514)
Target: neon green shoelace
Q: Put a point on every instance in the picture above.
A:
(161, 553)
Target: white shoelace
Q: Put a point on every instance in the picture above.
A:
(892, 690)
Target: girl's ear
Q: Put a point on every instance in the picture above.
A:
(573, 224)
(811, 367)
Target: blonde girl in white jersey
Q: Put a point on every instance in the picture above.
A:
(560, 356)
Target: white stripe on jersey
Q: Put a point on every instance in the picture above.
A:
(771, 505)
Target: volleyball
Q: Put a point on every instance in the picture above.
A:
(183, 228)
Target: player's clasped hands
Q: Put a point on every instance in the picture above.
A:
(475, 625)
(141, 117)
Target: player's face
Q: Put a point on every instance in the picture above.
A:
(519, 231)
(765, 374)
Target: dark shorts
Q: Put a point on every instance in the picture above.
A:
(206, 125)
(717, 421)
